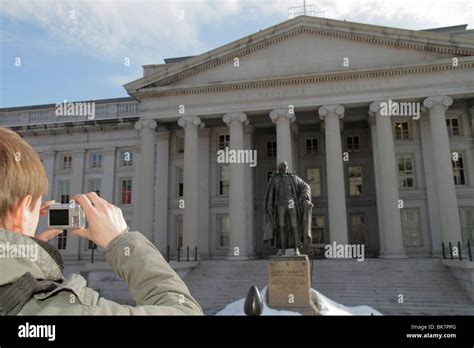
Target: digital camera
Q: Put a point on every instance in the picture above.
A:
(66, 216)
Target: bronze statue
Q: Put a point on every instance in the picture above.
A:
(288, 210)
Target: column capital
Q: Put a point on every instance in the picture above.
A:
(142, 124)
(439, 100)
(277, 113)
(237, 116)
(375, 107)
(331, 110)
(190, 121)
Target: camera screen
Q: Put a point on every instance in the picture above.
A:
(59, 217)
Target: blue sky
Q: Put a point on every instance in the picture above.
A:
(76, 50)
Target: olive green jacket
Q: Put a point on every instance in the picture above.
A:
(154, 286)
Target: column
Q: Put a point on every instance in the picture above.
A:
(47, 158)
(48, 162)
(108, 179)
(283, 119)
(144, 208)
(77, 182)
(249, 189)
(379, 200)
(161, 193)
(191, 181)
(204, 137)
(331, 115)
(430, 184)
(391, 236)
(443, 171)
(77, 176)
(237, 204)
(295, 129)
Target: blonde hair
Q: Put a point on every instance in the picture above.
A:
(21, 172)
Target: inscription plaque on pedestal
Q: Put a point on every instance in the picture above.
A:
(290, 283)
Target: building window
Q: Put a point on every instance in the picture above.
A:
(406, 177)
(224, 180)
(401, 130)
(318, 229)
(312, 146)
(180, 181)
(314, 181)
(466, 216)
(66, 162)
(94, 186)
(453, 126)
(458, 170)
(126, 191)
(355, 181)
(223, 230)
(411, 227)
(64, 191)
(62, 240)
(358, 228)
(180, 144)
(224, 141)
(178, 242)
(353, 143)
(96, 160)
(126, 158)
(271, 148)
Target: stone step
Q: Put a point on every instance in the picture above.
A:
(427, 286)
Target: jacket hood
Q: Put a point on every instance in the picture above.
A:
(20, 254)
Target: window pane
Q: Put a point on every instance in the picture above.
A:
(355, 181)
(358, 228)
(466, 216)
(126, 158)
(411, 227)
(224, 183)
(223, 229)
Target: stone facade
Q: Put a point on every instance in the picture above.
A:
(309, 91)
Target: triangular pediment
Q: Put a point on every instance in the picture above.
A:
(307, 45)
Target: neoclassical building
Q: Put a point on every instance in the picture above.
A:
(310, 91)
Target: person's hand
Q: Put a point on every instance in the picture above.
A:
(105, 219)
(45, 206)
(48, 234)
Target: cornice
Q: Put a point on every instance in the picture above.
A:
(325, 77)
(395, 38)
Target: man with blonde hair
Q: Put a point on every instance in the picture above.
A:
(36, 285)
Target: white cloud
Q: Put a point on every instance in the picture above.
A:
(148, 31)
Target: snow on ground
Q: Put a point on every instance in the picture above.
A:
(327, 307)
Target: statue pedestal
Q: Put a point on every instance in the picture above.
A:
(289, 284)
